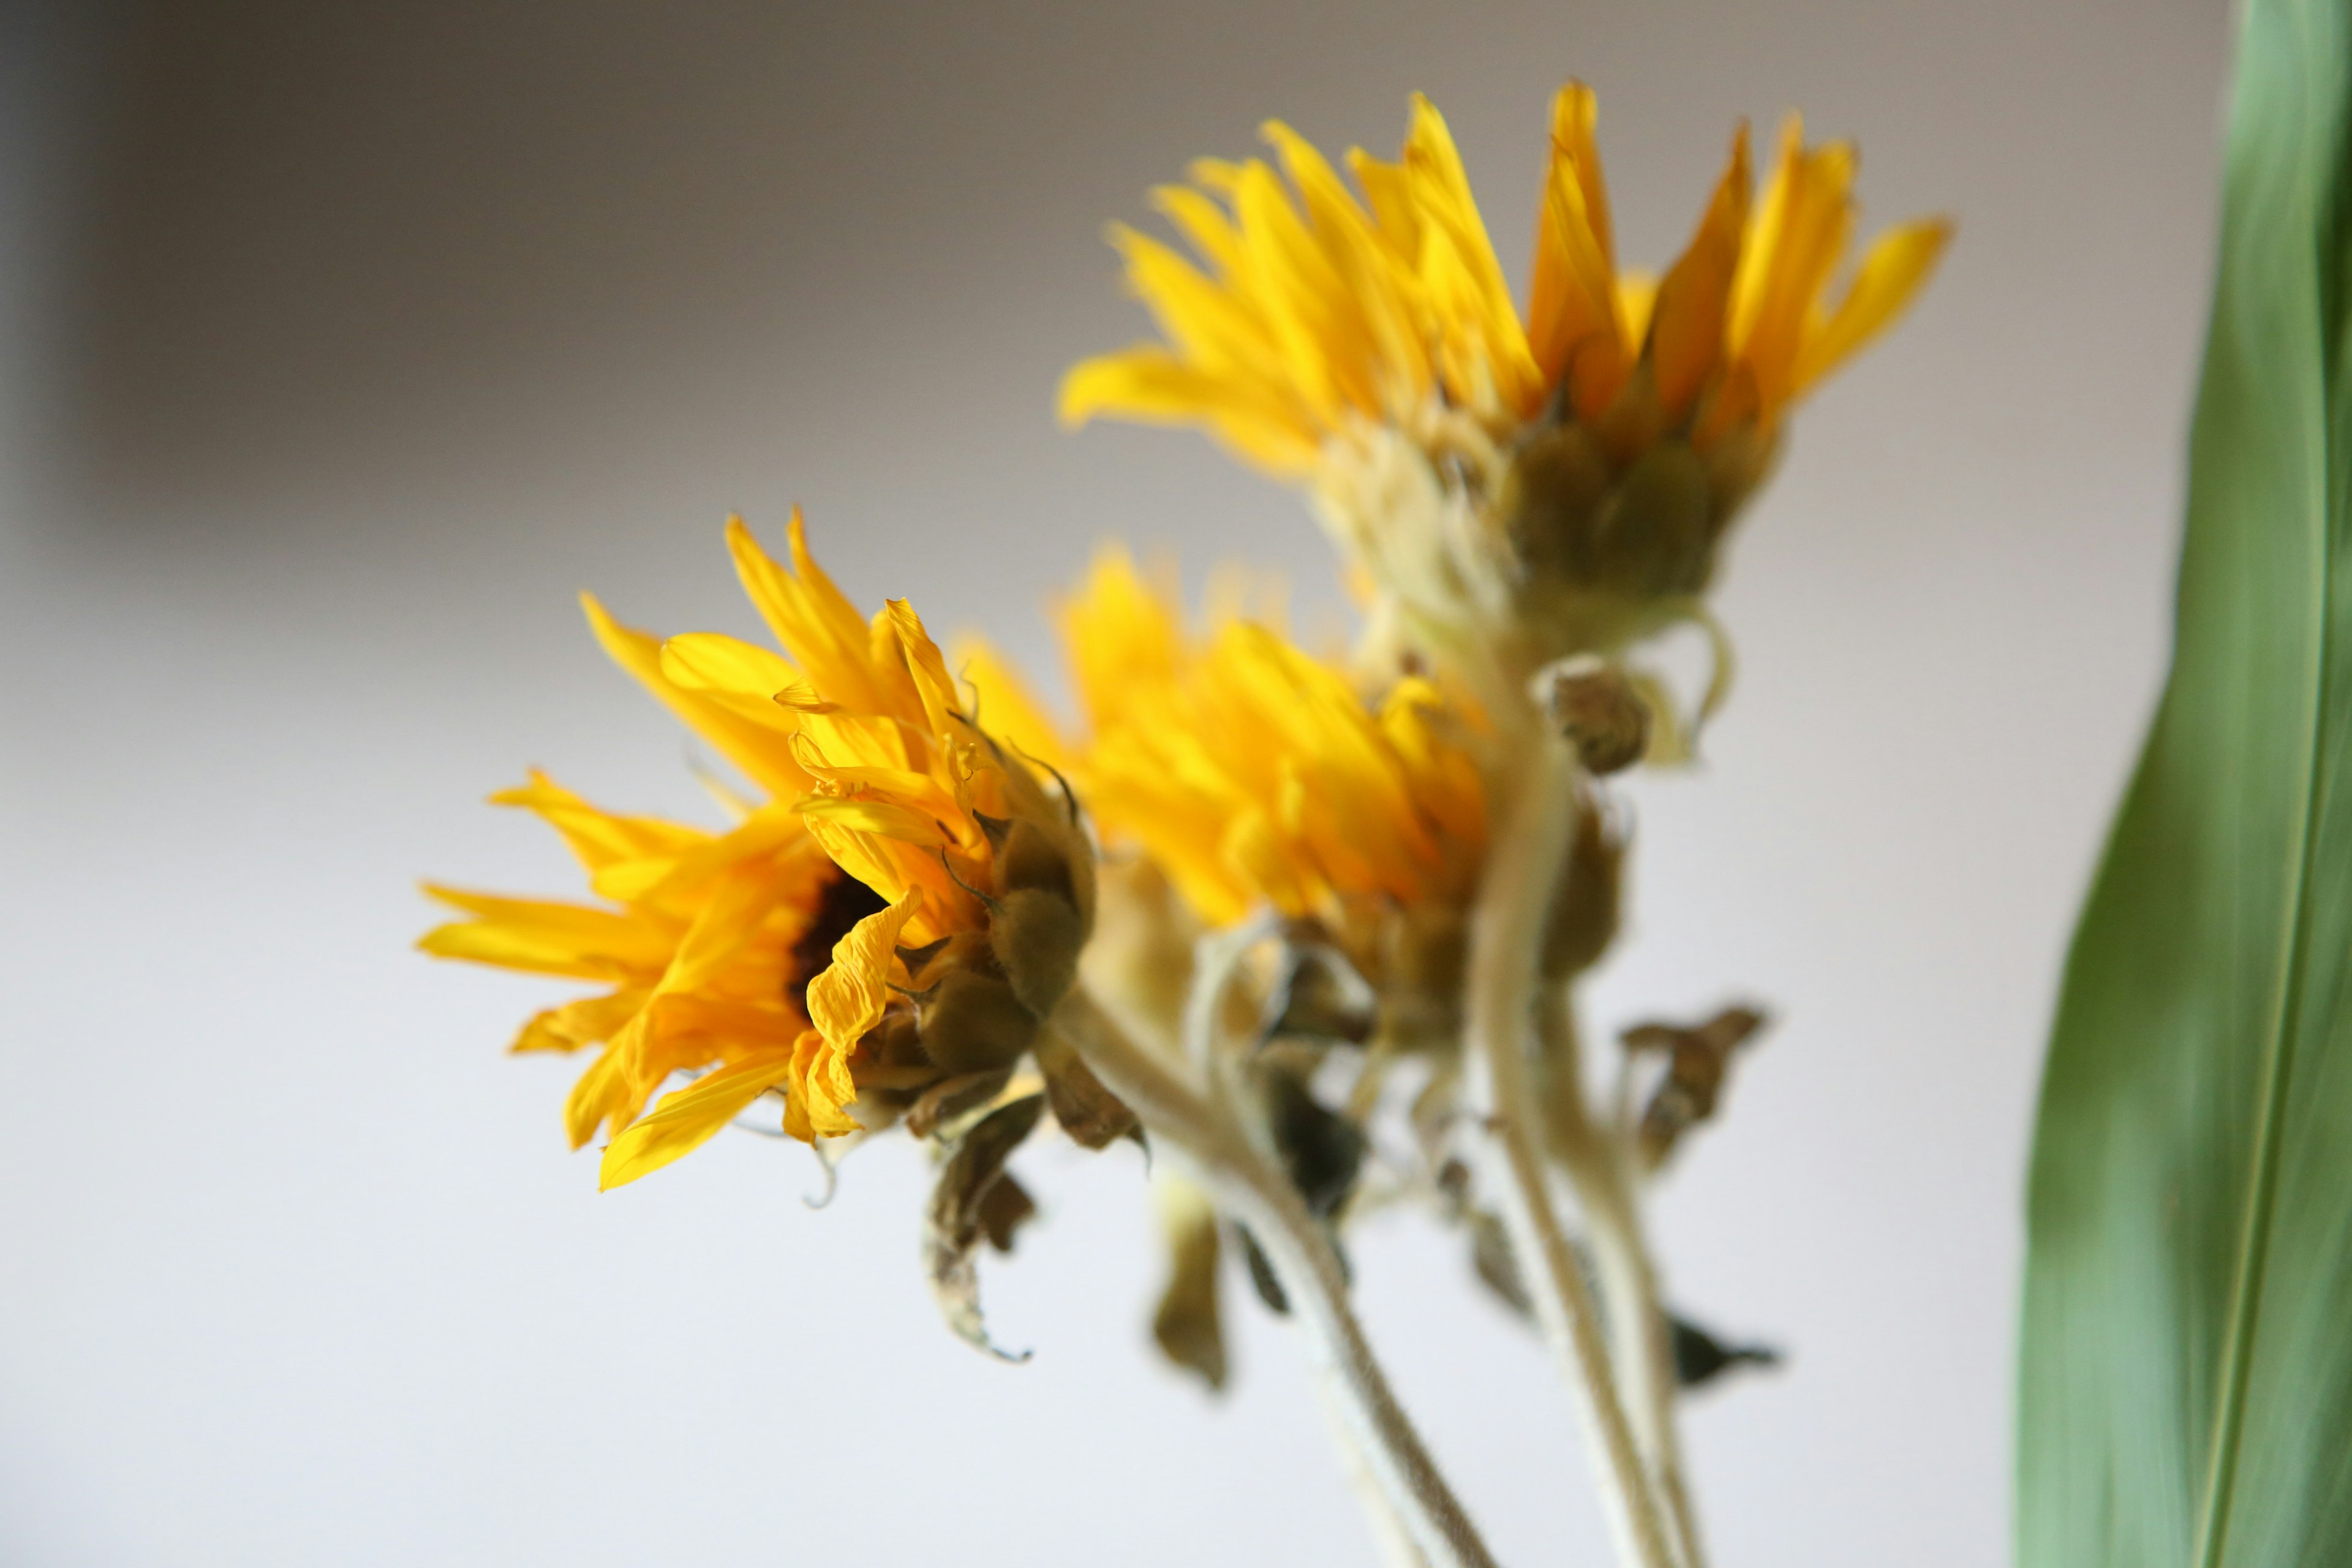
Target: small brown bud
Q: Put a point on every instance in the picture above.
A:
(1600, 713)
(1584, 912)
(1032, 859)
(1036, 936)
(973, 1022)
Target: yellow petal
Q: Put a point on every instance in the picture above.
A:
(1005, 705)
(1151, 386)
(813, 620)
(589, 1021)
(1574, 326)
(547, 937)
(688, 1117)
(847, 999)
(709, 662)
(1689, 322)
(1891, 275)
(879, 817)
(759, 743)
(821, 1092)
(598, 837)
(942, 704)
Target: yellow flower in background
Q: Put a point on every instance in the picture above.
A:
(1318, 312)
(1252, 772)
(1371, 348)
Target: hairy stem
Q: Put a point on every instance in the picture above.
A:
(1249, 1187)
(1524, 866)
(1599, 1163)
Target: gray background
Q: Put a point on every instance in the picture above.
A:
(344, 344)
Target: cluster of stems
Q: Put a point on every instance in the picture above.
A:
(1544, 1144)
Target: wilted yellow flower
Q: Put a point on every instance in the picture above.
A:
(708, 944)
(767, 958)
(1458, 447)
(990, 880)
(1256, 776)
(1254, 772)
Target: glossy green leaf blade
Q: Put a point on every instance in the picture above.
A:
(2185, 1396)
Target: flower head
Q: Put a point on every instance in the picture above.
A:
(899, 915)
(1256, 776)
(706, 942)
(1476, 460)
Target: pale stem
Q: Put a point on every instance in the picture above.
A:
(1598, 1159)
(1390, 1536)
(1248, 1186)
(1523, 865)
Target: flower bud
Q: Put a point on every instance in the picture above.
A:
(1600, 713)
(971, 1022)
(1584, 908)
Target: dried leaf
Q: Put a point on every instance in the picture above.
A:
(1700, 1358)
(1697, 1059)
(1091, 1114)
(952, 1096)
(1322, 997)
(1262, 1276)
(1189, 1326)
(1497, 1267)
(955, 1225)
(1322, 1152)
(1004, 1208)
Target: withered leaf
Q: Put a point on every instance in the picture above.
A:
(1092, 1115)
(1189, 1326)
(1261, 1272)
(1322, 1152)
(1698, 1057)
(956, 1222)
(1497, 1267)
(952, 1096)
(1322, 997)
(1701, 1358)
(1005, 1208)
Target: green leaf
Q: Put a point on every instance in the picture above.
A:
(2185, 1392)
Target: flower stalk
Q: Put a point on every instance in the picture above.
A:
(1249, 1187)
(1598, 1158)
(1506, 932)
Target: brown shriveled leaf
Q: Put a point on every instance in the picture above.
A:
(1322, 997)
(956, 1221)
(1004, 1210)
(952, 1096)
(1697, 1060)
(1497, 1267)
(1322, 1152)
(1189, 1326)
(1092, 1115)
(1700, 1358)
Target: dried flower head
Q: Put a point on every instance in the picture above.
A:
(1560, 473)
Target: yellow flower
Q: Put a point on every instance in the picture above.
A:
(1326, 332)
(1254, 773)
(763, 958)
(988, 879)
(1317, 311)
(708, 943)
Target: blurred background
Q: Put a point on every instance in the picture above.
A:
(340, 346)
